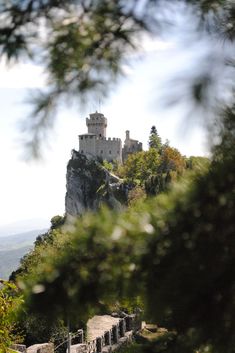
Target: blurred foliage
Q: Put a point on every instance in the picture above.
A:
(176, 251)
(36, 328)
(81, 44)
(10, 302)
(199, 162)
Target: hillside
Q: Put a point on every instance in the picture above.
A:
(13, 248)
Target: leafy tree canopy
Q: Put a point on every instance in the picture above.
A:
(10, 302)
(174, 251)
(153, 169)
(141, 165)
(171, 159)
(155, 140)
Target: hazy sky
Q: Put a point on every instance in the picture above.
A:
(37, 189)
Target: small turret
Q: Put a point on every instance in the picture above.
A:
(130, 146)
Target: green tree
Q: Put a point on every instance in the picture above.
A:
(38, 328)
(153, 169)
(108, 165)
(140, 166)
(176, 251)
(10, 303)
(135, 195)
(172, 160)
(30, 259)
(155, 140)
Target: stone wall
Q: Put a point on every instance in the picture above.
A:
(87, 144)
(79, 348)
(130, 146)
(109, 149)
(108, 333)
(105, 334)
(19, 348)
(41, 348)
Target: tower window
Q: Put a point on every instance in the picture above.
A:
(110, 152)
(81, 137)
(101, 151)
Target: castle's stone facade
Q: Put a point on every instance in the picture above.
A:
(130, 146)
(95, 143)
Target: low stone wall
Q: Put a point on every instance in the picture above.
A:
(19, 348)
(41, 348)
(109, 333)
(105, 334)
(79, 348)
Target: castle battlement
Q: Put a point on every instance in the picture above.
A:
(109, 139)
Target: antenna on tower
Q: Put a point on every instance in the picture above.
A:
(99, 105)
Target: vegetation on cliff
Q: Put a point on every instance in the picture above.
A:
(148, 173)
(175, 251)
(10, 303)
(172, 251)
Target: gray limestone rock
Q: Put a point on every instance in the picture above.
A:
(89, 185)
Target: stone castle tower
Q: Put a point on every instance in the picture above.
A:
(95, 144)
(97, 124)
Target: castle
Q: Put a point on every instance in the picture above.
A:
(95, 144)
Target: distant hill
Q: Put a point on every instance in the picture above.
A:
(23, 226)
(13, 248)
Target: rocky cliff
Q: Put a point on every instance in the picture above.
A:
(89, 185)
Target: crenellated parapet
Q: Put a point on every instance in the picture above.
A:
(95, 144)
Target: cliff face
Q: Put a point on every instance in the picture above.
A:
(89, 185)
